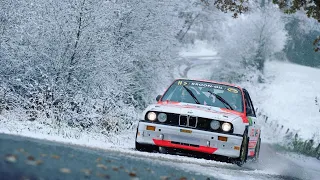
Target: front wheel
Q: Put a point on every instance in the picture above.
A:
(145, 147)
(243, 151)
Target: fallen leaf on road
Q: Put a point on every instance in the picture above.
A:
(102, 166)
(65, 170)
(132, 174)
(55, 156)
(30, 158)
(21, 150)
(33, 162)
(25, 178)
(24, 152)
(87, 172)
(98, 159)
(11, 158)
(105, 176)
(164, 178)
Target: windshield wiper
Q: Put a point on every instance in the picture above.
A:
(192, 95)
(226, 104)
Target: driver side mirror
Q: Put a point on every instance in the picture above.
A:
(158, 97)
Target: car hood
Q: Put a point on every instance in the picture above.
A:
(195, 110)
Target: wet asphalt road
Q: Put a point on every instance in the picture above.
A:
(25, 158)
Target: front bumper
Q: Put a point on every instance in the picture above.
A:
(188, 139)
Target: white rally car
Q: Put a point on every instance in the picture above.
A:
(202, 116)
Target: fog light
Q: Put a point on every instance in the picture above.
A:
(208, 143)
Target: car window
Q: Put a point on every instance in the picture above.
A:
(202, 91)
(249, 105)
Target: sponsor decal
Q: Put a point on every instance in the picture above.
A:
(254, 132)
(251, 133)
(252, 144)
(233, 90)
(182, 83)
(257, 132)
(185, 131)
(251, 153)
(206, 85)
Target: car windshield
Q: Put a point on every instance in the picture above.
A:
(205, 93)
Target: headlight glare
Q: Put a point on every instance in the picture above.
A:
(226, 127)
(215, 124)
(162, 117)
(152, 116)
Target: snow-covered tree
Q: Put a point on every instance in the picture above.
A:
(249, 40)
(85, 61)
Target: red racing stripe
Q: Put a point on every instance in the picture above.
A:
(165, 143)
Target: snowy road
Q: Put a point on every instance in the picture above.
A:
(26, 158)
(40, 159)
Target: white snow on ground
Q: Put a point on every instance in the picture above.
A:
(66, 134)
(312, 165)
(288, 98)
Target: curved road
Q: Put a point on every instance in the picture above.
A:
(26, 158)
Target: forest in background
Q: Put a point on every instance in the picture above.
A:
(97, 64)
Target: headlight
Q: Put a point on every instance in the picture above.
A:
(215, 124)
(226, 127)
(152, 116)
(162, 117)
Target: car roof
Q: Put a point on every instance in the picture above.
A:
(210, 81)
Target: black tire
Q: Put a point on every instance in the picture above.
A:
(257, 151)
(243, 151)
(145, 147)
(166, 150)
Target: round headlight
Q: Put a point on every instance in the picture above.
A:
(162, 117)
(226, 127)
(152, 116)
(215, 124)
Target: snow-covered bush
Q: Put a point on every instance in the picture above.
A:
(85, 62)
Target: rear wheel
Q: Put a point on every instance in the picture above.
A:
(243, 151)
(257, 150)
